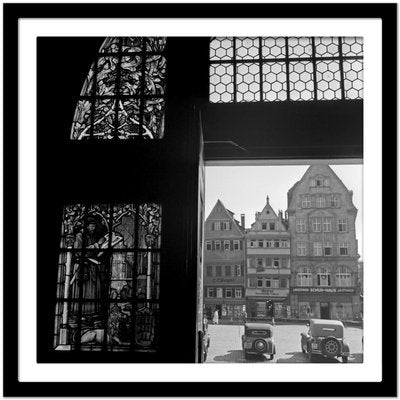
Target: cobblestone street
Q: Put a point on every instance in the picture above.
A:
(226, 345)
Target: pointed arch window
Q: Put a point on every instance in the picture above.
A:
(123, 96)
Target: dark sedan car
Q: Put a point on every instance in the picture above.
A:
(258, 339)
(325, 337)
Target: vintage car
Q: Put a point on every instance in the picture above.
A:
(258, 339)
(325, 337)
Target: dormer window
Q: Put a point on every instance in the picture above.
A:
(272, 226)
(264, 226)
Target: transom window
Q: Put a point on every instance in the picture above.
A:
(301, 249)
(108, 282)
(327, 224)
(327, 249)
(344, 249)
(301, 225)
(334, 201)
(342, 225)
(323, 277)
(316, 224)
(343, 277)
(123, 94)
(317, 247)
(320, 201)
(304, 277)
(306, 201)
(265, 69)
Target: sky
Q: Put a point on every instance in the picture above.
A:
(244, 190)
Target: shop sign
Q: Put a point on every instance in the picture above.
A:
(224, 280)
(334, 290)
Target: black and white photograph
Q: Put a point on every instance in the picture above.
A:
(199, 202)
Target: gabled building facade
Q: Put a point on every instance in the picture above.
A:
(224, 260)
(268, 265)
(323, 247)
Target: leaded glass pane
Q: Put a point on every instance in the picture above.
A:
(247, 48)
(147, 322)
(155, 74)
(131, 72)
(300, 47)
(128, 119)
(353, 79)
(148, 276)
(156, 44)
(106, 76)
(82, 123)
(132, 44)
(122, 276)
(274, 81)
(273, 47)
(149, 226)
(124, 225)
(352, 46)
(328, 79)
(221, 48)
(248, 82)
(326, 46)
(104, 119)
(87, 87)
(119, 323)
(110, 45)
(301, 80)
(153, 118)
(221, 83)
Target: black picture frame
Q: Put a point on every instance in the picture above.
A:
(11, 15)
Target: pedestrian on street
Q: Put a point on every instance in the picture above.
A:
(215, 318)
(244, 316)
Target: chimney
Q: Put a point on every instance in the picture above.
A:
(242, 221)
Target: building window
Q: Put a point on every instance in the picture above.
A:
(323, 277)
(209, 270)
(276, 262)
(216, 226)
(320, 201)
(218, 245)
(105, 252)
(304, 277)
(268, 282)
(327, 224)
(251, 243)
(342, 225)
(236, 245)
(208, 245)
(334, 201)
(226, 226)
(343, 277)
(219, 293)
(301, 225)
(317, 246)
(272, 226)
(306, 202)
(238, 270)
(326, 183)
(276, 243)
(269, 243)
(264, 226)
(259, 282)
(260, 243)
(268, 262)
(284, 283)
(210, 292)
(227, 245)
(327, 249)
(275, 283)
(265, 69)
(123, 97)
(228, 293)
(259, 262)
(343, 249)
(228, 270)
(319, 182)
(284, 262)
(316, 224)
(301, 249)
(218, 270)
(238, 293)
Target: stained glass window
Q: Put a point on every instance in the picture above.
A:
(265, 69)
(123, 94)
(108, 285)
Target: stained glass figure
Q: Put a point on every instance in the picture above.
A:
(109, 265)
(254, 69)
(123, 94)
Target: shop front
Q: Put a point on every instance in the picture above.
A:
(326, 303)
(267, 303)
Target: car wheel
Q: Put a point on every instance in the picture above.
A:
(331, 346)
(344, 359)
(260, 345)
